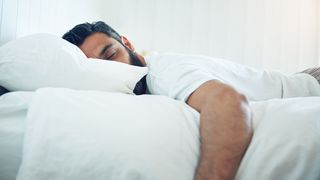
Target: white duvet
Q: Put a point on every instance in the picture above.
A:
(81, 135)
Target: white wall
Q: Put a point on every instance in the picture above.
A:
(318, 29)
(24, 17)
(8, 20)
(269, 34)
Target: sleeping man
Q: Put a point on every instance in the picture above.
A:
(219, 90)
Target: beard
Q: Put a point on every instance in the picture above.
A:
(141, 85)
(134, 60)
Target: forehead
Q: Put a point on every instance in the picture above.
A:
(93, 44)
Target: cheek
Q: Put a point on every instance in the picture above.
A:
(123, 56)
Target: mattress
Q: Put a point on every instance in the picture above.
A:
(13, 110)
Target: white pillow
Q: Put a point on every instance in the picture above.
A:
(44, 60)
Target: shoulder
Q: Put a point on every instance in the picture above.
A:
(176, 75)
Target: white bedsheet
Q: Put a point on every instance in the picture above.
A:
(99, 135)
(13, 110)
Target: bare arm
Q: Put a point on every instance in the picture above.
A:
(225, 129)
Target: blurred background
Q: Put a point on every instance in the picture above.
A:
(279, 35)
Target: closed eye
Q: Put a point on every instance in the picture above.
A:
(112, 55)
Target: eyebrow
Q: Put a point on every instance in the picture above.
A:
(105, 49)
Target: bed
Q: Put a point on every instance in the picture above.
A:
(58, 127)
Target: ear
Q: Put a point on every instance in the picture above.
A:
(127, 43)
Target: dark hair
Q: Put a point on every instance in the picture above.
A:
(80, 32)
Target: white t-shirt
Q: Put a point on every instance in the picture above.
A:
(178, 75)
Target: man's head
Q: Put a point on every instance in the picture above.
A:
(99, 40)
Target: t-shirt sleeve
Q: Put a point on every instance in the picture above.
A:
(187, 82)
(177, 80)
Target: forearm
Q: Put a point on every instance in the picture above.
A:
(225, 129)
(225, 135)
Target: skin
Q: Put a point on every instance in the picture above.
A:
(101, 46)
(225, 116)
